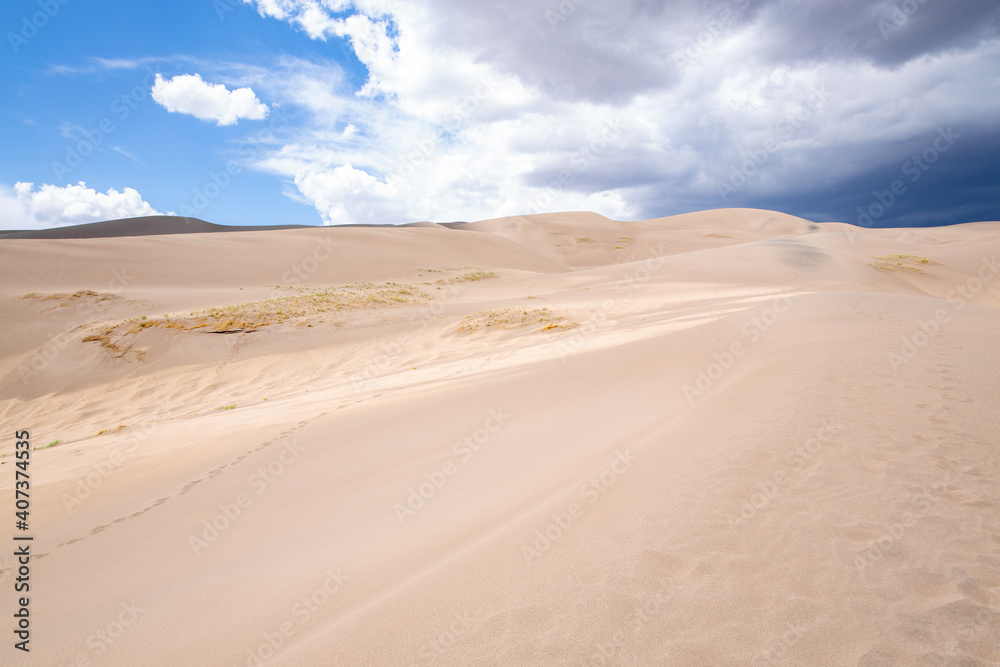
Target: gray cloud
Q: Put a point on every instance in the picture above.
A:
(601, 52)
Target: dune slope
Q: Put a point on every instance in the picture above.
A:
(729, 437)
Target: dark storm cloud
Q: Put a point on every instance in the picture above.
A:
(574, 49)
(602, 51)
(885, 33)
(920, 186)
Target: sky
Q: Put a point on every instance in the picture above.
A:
(267, 112)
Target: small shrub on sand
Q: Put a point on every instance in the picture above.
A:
(470, 276)
(515, 318)
(903, 263)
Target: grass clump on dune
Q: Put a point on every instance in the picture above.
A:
(899, 262)
(470, 276)
(515, 318)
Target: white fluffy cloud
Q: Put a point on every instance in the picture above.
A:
(190, 94)
(26, 207)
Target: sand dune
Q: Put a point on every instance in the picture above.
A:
(151, 225)
(728, 437)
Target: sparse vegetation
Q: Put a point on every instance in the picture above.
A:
(585, 239)
(65, 298)
(515, 318)
(713, 235)
(104, 339)
(469, 276)
(899, 262)
(228, 407)
(104, 430)
(478, 274)
(251, 316)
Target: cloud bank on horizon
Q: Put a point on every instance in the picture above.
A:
(390, 111)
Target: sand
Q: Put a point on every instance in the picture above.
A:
(729, 437)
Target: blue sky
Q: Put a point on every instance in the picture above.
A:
(388, 111)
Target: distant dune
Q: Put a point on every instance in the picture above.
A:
(720, 438)
(151, 225)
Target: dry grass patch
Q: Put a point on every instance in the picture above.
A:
(245, 317)
(65, 298)
(903, 263)
(469, 276)
(117, 351)
(251, 316)
(515, 318)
